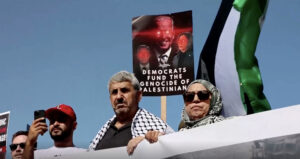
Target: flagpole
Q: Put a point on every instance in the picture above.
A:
(163, 108)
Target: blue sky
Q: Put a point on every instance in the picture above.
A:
(54, 52)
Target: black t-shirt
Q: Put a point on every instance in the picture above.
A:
(115, 137)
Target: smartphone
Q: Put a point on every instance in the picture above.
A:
(39, 114)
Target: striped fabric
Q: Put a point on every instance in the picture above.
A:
(142, 122)
(228, 58)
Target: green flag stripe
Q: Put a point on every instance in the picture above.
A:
(248, 30)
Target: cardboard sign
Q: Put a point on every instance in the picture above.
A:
(4, 118)
(163, 58)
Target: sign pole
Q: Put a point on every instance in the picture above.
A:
(163, 108)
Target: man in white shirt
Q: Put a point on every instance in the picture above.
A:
(63, 122)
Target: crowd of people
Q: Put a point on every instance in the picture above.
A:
(128, 127)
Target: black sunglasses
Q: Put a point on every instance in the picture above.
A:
(189, 96)
(13, 147)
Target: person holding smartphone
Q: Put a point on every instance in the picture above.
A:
(62, 125)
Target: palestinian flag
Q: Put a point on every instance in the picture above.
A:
(228, 57)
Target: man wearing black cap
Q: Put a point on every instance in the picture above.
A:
(62, 120)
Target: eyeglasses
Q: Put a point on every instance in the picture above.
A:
(13, 147)
(189, 96)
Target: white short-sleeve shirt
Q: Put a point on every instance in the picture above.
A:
(56, 152)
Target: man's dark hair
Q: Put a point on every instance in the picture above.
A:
(21, 132)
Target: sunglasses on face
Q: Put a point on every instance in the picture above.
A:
(13, 147)
(59, 119)
(189, 96)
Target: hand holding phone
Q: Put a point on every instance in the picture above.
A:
(39, 114)
(38, 127)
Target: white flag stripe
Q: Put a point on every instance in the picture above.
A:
(226, 75)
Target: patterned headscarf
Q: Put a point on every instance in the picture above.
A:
(215, 108)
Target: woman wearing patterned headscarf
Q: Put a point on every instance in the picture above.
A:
(202, 105)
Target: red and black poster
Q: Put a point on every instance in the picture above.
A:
(4, 117)
(163, 58)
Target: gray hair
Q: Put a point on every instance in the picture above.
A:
(216, 100)
(125, 76)
(164, 17)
